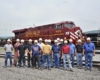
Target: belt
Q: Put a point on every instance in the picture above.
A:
(56, 52)
(89, 52)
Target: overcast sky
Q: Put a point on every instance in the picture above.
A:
(17, 14)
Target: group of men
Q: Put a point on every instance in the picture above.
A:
(40, 55)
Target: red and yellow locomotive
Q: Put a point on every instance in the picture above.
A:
(65, 30)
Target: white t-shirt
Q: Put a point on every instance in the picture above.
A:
(8, 48)
(40, 44)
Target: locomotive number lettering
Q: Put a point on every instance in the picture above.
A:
(58, 31)
(67, 33)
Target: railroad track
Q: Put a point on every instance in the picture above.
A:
(95, 63)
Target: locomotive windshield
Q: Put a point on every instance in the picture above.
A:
(69, 25)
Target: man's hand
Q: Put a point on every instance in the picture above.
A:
(31, 55)
(82, 54)
(18, 55)
(93, 54)
(75, 54)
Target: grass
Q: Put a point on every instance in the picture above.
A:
(1, 48)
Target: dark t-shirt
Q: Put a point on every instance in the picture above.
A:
(21, 49)
(28, 46)
(79, 48)
(61, 45)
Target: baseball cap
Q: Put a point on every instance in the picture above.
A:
(61, 40)
(88, 38)
(65, 42)
(8, 40)
(17, 40)
(35, 41)
(22, 40)
(30, 40)
(55, 41)
(70, 40)
(40, 39)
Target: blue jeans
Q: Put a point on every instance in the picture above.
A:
(56, 60)
(72, 58)
(44, 58)
(79, 59)
(8, 55)
(67, 57)
(88, 59)
(51, 60)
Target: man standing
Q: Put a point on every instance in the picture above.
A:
(58, 40)
(8, 49)
(51, 58)
(21, 53)
(35, 53)
(66, 56)
(46, 49)
(29, 45)
(79, 55)
(40, 43)
(89, 52)
(61, 44)
(72, 51)
(56, 53)
(16, 52)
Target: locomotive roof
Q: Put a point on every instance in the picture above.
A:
(21, 30)
(56, 23)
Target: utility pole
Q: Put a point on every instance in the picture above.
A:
(33, 25)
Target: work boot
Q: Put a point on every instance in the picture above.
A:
(86, 69)
(90, 69)
(49, 68)
(71, 70)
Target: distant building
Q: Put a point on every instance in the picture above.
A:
(94, 35)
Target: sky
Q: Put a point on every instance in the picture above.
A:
(18, 14)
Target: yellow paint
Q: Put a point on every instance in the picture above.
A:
(32, 33)
(59, 34)
(58, 31)
(37, 33)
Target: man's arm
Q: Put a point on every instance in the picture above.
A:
(75, 50)
(94, 50)
(12, 48)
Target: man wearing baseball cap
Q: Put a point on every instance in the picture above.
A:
(51, 59)
(72, 51)
(89, 52)
(8, 49)
(40, 43)
(46, 49)
(66, 56)
(56, 53)
(28, 47)
(21, 54)
(16, 52)
(79, 51)
(61, 44)
(58, 40)
(35, 54)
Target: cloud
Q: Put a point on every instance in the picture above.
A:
(18, 14)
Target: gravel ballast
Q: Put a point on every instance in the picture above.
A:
(15, 73)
